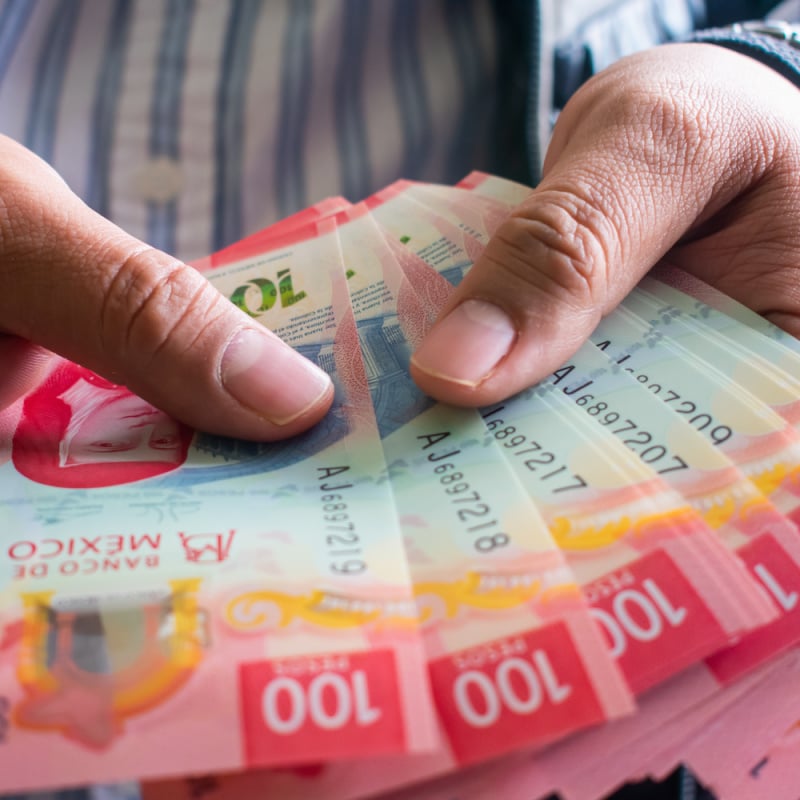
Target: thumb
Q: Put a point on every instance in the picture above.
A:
(638, 157)
(73, 283)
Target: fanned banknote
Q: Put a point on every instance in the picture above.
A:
(409, 590)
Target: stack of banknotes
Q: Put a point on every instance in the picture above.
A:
(591, 582)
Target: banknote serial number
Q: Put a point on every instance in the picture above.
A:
(704, 422)
(542, 463)
(632, 434)
(343, 544)
(472, 512)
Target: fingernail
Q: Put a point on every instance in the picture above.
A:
(266, 375)
(467, 344)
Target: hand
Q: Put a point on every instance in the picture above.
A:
(688, 153)
(74, 284)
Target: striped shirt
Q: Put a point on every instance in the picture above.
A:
(191, 123)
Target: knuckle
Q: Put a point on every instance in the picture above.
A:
(152, 303)
(658, 120)
(680, 135)
(665, 132)
(561, 244)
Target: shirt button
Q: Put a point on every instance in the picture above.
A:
(159, 180)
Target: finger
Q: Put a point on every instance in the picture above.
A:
(630, 170)
(75, 284)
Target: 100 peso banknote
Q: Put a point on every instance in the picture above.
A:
(407, 589)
